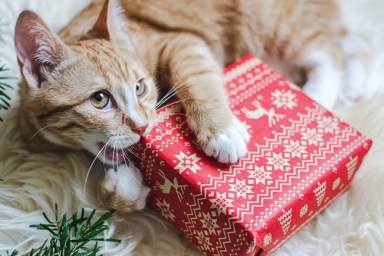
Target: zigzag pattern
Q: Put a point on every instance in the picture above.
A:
(313, 161)
(231, 238)
(167, 112)
(287, 133)
(268, 195)
(251, 88)
(248, 90)
(163, 132)
(228, 232)
(241, 69)
(277, 245)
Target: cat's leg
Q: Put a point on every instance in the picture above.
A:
(355, 70)
(335, 71)
(324, 75)
(198, 82)
(121, 189)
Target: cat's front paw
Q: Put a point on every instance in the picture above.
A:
(123, 189)
(226, 145)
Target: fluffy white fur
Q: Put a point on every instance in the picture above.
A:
(324, 80)
(352, 225)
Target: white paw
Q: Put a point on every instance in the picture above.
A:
(326, 98)
(123, 189)
(324, 78)
(229, 145)
(354, 78)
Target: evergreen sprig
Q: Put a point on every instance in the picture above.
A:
(4, 98)
(74, 236)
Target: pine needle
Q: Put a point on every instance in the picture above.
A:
(78, 235)
(4, 98)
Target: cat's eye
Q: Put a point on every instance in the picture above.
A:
(101, 100)
(140, 88)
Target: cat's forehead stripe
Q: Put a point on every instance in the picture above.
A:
(72, 125)
(109, 65)
(59, 109)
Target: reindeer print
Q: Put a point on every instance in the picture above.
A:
(260, 112)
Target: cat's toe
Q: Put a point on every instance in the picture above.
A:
(241, 129)
(229, 145)
(123, 189)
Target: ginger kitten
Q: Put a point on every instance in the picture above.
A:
(94, 88)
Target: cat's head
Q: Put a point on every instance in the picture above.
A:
(93, 94)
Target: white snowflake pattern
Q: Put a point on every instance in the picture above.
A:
(328, 124)
(221, 202)
(295, 149)
(284, 99)
(187, 162)
(165, 210)
(209, 223)
(203, 241)
(259, 174)
(278, 161)
(312, 136)
(241, 189)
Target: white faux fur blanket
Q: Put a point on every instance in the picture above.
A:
(32, 183)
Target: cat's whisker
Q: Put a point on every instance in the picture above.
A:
(115, 152)
(169, 104)
(178, 84)
(132, 152)
(133, 176)
(180, 87)
(182, 114)
(159, 125)
(41, 129)
(177, 88)
(134, 149)
(90, 167)
(174, 102)
(104, 157)
(166, 97)
(171, 91)
(129, 160)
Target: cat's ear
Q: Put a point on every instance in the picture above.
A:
(111, 23)
(39, 49)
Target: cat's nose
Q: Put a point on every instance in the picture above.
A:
(140, 130)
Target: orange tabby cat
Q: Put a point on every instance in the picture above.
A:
(94, 89)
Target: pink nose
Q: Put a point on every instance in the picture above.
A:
(140, 130)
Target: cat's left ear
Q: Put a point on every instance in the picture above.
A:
(111, 23)
(39, 49)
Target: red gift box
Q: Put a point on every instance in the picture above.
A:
(300, 158)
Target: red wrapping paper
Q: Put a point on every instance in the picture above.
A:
(300, 158)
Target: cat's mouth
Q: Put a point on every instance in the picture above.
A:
(111, 153)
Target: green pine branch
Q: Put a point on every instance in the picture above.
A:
(78, 235)
(4, 98)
